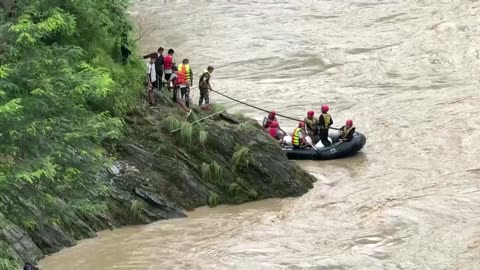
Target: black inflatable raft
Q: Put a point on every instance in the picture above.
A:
(334, 151)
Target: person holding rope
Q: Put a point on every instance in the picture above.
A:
(324, 123)
(347, 131)
(205, 87)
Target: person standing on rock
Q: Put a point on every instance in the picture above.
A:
(151, 80)
(158, 65)
(184, 68)
(168, 64)
(204, 86)
(179, 81)
(324, 122)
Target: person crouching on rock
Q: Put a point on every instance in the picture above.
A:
(299, 136)
(275, 132)
(347, 131)
(269, 119)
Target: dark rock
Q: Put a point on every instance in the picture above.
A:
(21, 244)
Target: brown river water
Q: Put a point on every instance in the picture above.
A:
(406, 72)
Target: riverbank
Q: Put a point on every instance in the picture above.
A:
(158, 174)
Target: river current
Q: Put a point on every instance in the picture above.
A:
(406, 72)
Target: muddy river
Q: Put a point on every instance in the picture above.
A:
(406, 72)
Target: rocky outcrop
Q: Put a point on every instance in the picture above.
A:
(159, 174)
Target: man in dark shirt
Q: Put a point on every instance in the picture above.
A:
(158, 66)
(324, 122)
(204, 86)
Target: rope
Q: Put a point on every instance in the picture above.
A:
(260, 109)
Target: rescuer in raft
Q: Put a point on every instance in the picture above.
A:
(267, 121)
(324, 123)
(275, 132)
(347, 131)
(312, 125)
(299, 136)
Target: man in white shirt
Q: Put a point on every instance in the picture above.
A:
(151, 79)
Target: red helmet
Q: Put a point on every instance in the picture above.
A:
(274, 124)
(349, 122)
(271, 114)
(310, 113)
(301, 124)
(325, 108)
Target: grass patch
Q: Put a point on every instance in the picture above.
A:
(234, 189)
(6, 260)
(186, 133)
(206, 175)
(136, 208)
(202, 137)
(170, 123)
(252, 194)
(216, 172)
(213, 199)
(245, 127)
(217, 108)
(240, 157)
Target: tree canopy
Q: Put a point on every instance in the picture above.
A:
(63, 90)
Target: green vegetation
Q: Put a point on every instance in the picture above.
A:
(6, 261)
(171, 123)
(136, 209)
(213, 199)
(63, 91)
(202, 137)
(186, 133)
(212, 173)
(240, 157)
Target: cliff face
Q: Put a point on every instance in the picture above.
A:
(224, 159)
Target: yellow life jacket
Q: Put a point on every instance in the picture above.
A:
(296, 136)
(186, 71)
(326, 120)
(311, 123)
(345, 131)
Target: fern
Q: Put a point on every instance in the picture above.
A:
(206, 174)
(202, 137)
(240, 157)
(244, 127)
(136, 208)
(216, 172)
(6, 260)
(171, 123)
(213, 199)
(252, 194)
(234, 189)
(186, 133)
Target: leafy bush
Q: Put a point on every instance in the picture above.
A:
(202, 137)
(213, 199)
(63, 90)
(186, 133)
(240, 157)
